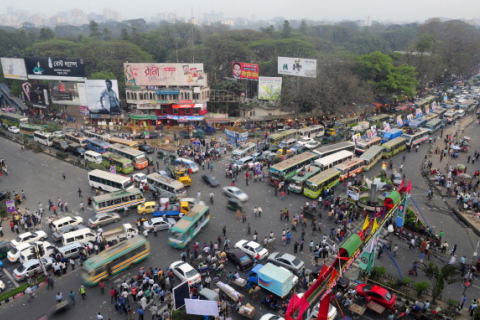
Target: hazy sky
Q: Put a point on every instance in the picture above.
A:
(382, 10)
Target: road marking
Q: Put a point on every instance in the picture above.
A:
(15, 283)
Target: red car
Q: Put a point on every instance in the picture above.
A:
(377, 294)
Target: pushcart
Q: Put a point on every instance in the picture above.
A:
(240, 282)
(247, 311)
(61, 306)
(229, 291)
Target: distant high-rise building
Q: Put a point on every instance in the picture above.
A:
(37, 20)
(10, 10)
(76, 13)
(368, 21)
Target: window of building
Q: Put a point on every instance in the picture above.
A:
(164, 109)
(196, 96)
(175, 110)
(187, 110)
(196, 110)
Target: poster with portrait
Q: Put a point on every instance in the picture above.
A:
(164, 74)
(242, 70)
(102, 96)
(64, 92)
(35, 93)
(55, 68)
(14, 68)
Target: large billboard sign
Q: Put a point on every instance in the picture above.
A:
(269, 88)
(34, 93)
(102, 96)
(64, 92)
(164, 74)
(241, 70)
(14, 68)
(54, 68)
(297, 67)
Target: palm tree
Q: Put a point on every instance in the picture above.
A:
(440, 278)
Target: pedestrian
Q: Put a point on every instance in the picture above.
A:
(464, 299)
(248, 229)
(295, 247)
(414, 269)
(82, 207)
(83, 292)
(64, 175)
(99, 316)
(411, 244)
(65, 206)
(244, 218)
(102, 286)
(395, 250)
(72, 297)
(59, 297)
(79, 192)
(259, 212)
(224, 229)
(140, 312)
(54, 208)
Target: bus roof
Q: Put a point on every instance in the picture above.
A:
(323, 176)
(340, 145)
(372, 152)
(302, 175)
(433, 122)
(127, 149)
(116, 157)
(98, 141)
(120, 140)
(348, 163)
(334, 156)
(420, 131)
(191, 217)
(283, 134)
(116, 194)
(379, 117)
(174, 183)
(111, 252)
(13, 115)
(393, 142)
(347, 119)
(285, 164)
(76, 135)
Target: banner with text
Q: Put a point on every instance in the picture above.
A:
(242, 70)
(299, 67)
(54, 68)
(14, 68)
(269, 88)
(164, 74)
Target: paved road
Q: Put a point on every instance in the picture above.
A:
(40, 177)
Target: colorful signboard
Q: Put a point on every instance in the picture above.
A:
(164, 74)
(102, 96)
(242, 70)
(65, 92)
(34, 93)
(269, 88)
(299, 67)
(14, 68)
(55, 68)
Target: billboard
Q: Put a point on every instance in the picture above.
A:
(164, 74)
(102, 96)
(66, 93)
(14, 68)
(54, 68)
(299, 67)
(35, 93)
(269, 88)
(241, 70)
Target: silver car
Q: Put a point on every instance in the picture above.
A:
(103, 219)
(286, 260)
(28, 268)
(236, 193)
(161, 223)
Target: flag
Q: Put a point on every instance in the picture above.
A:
(409, 187)
(367, 258)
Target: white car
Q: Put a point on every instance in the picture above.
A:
(13, 129)
(59, 134)
(236, 193)
(271, 316)
(304, 140)
(332, 311)
(186, 272)
(29, 236)
(252, 248)
(312, 144)
(161, 223)
(14, 254)
(140, 177)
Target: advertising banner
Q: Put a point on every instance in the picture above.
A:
(14, 68)
(242, 70)
(299, 67)
(11, 206)
(54, 68)
(35, 93)
(66, 93)
(269, 88)
(164, 74)
(102, 96)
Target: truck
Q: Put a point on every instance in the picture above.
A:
(121, 233)
(391, 134)
(270, 277)
(180, 174)
(166, 208)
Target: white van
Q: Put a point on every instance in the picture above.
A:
(93, 156)
(66, 221)
(81, 236)
(14, 254)
(48, 250)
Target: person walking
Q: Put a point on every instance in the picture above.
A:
(82, 207)
(71, 295)
(224, 229)
(59, 297)
(64, 175)
(140, 312)
(248, 229)
(79, 192)
(414, 269)
(244, 218)
(83, 292)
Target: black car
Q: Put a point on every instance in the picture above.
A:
(4, 195)
(210, 180)
(240, 259)
(146, 148)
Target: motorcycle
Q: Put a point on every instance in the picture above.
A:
(272, 304)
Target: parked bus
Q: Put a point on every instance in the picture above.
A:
(371, 157)
(416, 138)
(440, 112)
(244, 151)
(328, 150)
(114, 260)
(76, 138)
(394, 146)
(118, 201)
(276, 138)
(97, 145)
(167, 187)
(363, 145)
(107, 181)
(333, 159)
(418, 123)
(185, 230)
(378, 120)
(314, 131)
(346, 122)
(297, 183)
(138, 158)
(431, 116)
(43, 137)
(285, 170)
(433, 125)
(93, 134)
(125, 142)
(350, 168)
(121, 164)
(12, 119)
(323, 181)
(29, 129)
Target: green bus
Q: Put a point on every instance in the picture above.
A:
(276, 138)
(433, 125)
(297, 183)
(183, 232)
(378, 120)
(393, 147)
(114, 260)
(12, 119)
(316, 185)
(121, 164)
(29, 129)
(371, 156)
(118, 201)
(346, 122)
(287, 169)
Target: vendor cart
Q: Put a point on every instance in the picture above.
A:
(61, 306)
(375, 307)
(357, 309)
(229, 291)
(247, 311)
(240, 282)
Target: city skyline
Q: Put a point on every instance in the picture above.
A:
(376, 10)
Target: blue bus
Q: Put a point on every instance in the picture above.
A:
(418, 123)
(97, 145)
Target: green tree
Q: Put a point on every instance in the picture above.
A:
(440, 277)
(94, 29)
(286, 29)
(303, 27)
(46, 34)
(56, 48)
(102, 75)
(107, 34)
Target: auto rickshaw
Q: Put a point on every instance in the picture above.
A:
(234, 205)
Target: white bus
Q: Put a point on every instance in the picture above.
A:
(415, 139)
(43, 137)
(332, 160)
(107, 181)
(92, 134)
(244, 151)
(167, 187)
(350, 168)
(328, 150)
(138, 158)
(363, 145)
(314, 131)
(433, 125)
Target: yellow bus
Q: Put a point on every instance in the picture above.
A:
(128, 143)
(394, 146)
(350, 168)
(316, 185)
